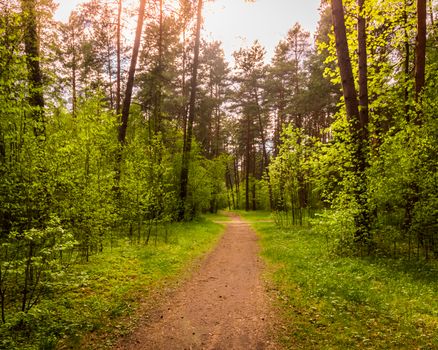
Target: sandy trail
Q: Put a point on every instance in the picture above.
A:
(223, 306)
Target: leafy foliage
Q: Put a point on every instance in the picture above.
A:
(102, 296)
(266, 135)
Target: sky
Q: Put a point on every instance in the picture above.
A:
(237, 23)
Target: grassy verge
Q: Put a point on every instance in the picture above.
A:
(332, 302)
(254, 216)
(219, 217)
(107, 292)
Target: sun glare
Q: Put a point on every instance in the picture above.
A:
(236, 23)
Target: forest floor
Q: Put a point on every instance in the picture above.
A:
(224, 305)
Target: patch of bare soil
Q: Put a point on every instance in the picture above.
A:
(223, 306)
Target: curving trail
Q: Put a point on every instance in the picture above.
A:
(223, 306)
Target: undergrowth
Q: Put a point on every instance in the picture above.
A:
(101, 301)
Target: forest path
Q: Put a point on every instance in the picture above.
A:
(224, 305)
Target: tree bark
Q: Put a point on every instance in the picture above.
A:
(420, 48)
(357, 121)
(265, 153)
(247, 161)
(73, 72)
(131, 75)
(407, 59)
(110, 75)
(237, 181)
(31, 46)
(344, 63)
(363, 72)
(158, 93)
(119, 58)
(279, 120)
(192, 105)
(183, 109)
(217, 115)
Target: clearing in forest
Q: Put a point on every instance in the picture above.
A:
(223, 306)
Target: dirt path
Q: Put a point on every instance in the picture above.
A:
(223, 306)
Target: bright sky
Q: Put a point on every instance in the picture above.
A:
(237, 23)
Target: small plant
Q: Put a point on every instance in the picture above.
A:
(33, 266)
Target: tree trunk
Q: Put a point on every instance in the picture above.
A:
(192, 104)
(279, 121)
(73, 73)
(119, 59)
(31, 46)
(231, 188)
(237, 182)
(217, 114)
(343, 55)
(247, 161)
(183, 109)
(156, 127)
(356, 124)
(2, 303)
(110, 75)
(254, 197)
(407, 59)
(265, 153)
(128, 95)
(131, 74)
(254, 178)
(420, 48)
(363, 72)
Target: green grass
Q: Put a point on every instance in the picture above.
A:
(220, 216)
(254, 216)
(332, 302)
(108, 292)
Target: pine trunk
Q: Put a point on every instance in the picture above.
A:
(31, 46)
(420, 48)
(131, 75)
(357, 125)
(192, 105)
(119, 59)
(265, 153)
(363, 72)
(344, 63)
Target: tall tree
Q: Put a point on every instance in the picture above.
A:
(213, 83)
(119, 56)
(187, 147)
(71, 56)
(363, 70)
(356, 126)
(90, 54)
(157, 115)
(420, 47)
(288, 80)
(278, 90)
(250, 79)
(131, 74)
(344, 63)
(31, 44)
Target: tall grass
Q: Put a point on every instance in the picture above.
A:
(332, 302)
(104, 296)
